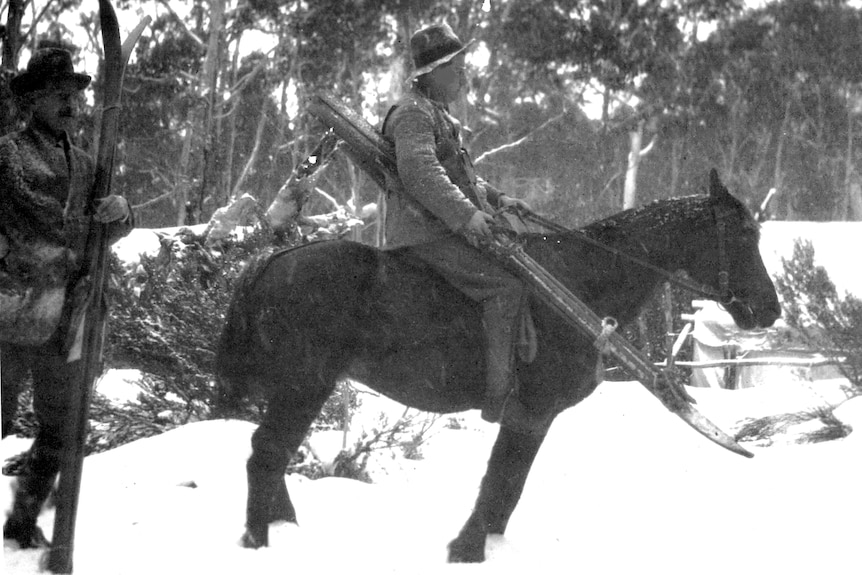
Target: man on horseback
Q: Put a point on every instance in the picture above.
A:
(440, 208)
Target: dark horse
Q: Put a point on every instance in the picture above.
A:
(304, 318)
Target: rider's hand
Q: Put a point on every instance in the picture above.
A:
(112, 209)
(506, 201)
(479, 224)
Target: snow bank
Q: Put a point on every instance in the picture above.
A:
(620, 486)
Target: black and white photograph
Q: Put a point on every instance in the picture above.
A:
(431, 286)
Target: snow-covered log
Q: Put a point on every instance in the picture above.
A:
(225, 220)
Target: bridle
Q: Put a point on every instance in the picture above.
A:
(723, 295)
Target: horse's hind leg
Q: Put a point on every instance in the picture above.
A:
(289, 414)
(511, 458)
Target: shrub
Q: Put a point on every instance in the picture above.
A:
(166, 319)
(764, 429)
(818, 316)
(405, 436)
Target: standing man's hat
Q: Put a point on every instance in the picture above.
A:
(434, 46)
(47, 65)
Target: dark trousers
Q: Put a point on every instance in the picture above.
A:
(501, 295)
(51, 376)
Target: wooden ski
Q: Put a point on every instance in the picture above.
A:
(89, 333)
(364, 145)
(661, 383)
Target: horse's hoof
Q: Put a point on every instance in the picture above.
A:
(250, 541)
(28, 536)
(460, 552)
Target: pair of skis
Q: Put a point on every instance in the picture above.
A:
(86, 349)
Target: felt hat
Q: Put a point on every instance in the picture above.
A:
(47, 65)
(434, 46)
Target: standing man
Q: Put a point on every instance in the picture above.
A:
(441, 203)
(45, 183)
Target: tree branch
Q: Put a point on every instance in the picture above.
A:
(182, 24)
(520, 141)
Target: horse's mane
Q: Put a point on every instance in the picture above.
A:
(652, 215)
(686, 211)
(679, 216)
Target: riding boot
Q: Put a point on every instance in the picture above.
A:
(499, 345)
(34, 486)
(501, 398)
(21, 526)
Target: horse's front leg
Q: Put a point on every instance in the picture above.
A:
(508, 467)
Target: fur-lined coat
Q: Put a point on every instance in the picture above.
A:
(44, 187)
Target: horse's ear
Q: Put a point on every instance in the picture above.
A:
(716, 188)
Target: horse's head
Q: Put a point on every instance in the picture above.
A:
(737, 270)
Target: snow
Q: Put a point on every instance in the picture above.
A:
(145, 242)
(620, 486)
(122, 387)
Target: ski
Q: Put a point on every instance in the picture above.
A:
(89, 332)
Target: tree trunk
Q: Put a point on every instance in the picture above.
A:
(11, 49)
(676, 159)
(636, 152)
(231, 131)
(208, 83)
(183, 170)
(852, 185)
(630, 187)
(12, 36)
(779, 149)
(252, 158)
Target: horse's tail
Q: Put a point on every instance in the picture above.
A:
(235, 358)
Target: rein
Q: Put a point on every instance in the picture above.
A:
(724, 295)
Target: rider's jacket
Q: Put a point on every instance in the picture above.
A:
(438, 191)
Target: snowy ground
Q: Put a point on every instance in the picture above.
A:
(620, 486)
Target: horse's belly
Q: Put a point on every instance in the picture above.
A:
(425, 378)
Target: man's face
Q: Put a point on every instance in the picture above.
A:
(451, 78)
(55, 107)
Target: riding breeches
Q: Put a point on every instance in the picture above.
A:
(501, 295)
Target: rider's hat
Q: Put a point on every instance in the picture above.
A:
(434, 46)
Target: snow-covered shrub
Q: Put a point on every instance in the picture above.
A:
(386, 438)
(820, 317)
(25, 424)
(170, 330)
(765, 430)
(166, 323)
(112, 425)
